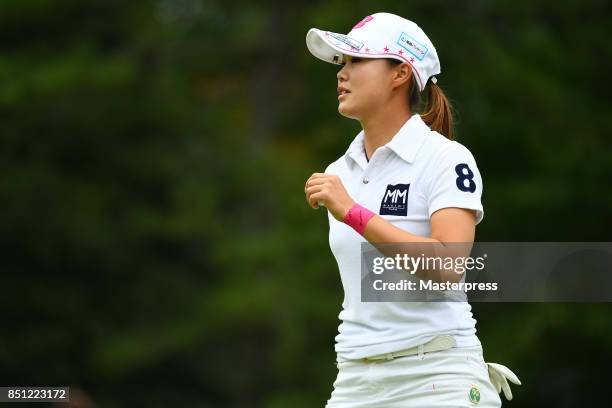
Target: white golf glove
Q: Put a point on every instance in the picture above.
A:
(499, 376)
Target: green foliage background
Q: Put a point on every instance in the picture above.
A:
(159, 251)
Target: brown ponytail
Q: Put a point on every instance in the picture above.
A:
(439, 113)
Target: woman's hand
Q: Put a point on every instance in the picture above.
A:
(328, 190)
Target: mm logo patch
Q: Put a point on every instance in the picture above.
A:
(395, 200)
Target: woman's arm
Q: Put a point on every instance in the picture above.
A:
(448, 225)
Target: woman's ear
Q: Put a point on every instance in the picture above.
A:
(402, 74)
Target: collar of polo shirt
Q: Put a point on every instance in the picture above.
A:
(406, 142)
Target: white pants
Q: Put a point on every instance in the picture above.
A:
(437, 379)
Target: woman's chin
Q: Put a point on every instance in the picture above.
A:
(347, 112)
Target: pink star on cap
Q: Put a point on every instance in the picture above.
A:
(401, 52)
(386, 49)
(411, 59)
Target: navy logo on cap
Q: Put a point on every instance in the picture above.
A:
(395, 200)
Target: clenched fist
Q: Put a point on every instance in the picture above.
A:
(328, 190)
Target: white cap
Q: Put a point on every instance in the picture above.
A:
(380, 35)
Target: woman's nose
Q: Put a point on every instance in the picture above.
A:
(341, 75)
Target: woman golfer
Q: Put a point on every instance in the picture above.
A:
(402, 180)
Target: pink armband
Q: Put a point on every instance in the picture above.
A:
(357, 218)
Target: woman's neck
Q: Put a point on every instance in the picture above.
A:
(379, 130)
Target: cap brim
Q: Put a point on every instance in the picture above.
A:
(322, 45)
(332, 47)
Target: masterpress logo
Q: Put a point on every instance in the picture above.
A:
(422, 263)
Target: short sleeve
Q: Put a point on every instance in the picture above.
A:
(332, 168)
(455, 181)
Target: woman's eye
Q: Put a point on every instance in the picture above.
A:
(351, 59)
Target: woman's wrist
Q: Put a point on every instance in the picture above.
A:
(357, 217)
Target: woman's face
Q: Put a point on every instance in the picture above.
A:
(368, 82)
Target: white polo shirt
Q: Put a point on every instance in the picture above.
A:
(418, 172)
